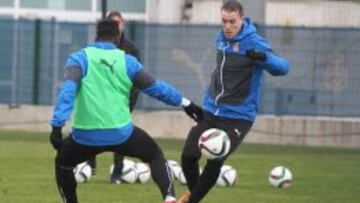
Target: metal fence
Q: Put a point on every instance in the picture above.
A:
(324, 77)
(33, 57)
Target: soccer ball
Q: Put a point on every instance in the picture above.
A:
(214, 143)
(143, 172)
(82, 172)
(280, 177)
(128, 162)
(175, 169)
(128, 173)
(227, 177)
(181, 178)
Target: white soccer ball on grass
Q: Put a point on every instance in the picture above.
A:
(227, 177)
(128, 173)
(280, 177)
(82, 172)
(143, 172)
(175, 169)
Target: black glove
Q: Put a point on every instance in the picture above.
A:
(194, 111)
(56, 138)
(256, 55)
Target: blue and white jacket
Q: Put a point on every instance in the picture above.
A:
(234, 89)
(76, 69)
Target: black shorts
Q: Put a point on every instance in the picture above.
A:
(139, 145)
(236, 129)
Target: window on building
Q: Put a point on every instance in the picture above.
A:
(7, 3)
(78, 5)
(34, 4)
(130, 6)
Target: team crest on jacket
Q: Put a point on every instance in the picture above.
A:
(236, 47)
(221, 45)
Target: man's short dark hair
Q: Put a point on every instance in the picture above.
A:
(113, 14)
(107, 29)
(233, 6)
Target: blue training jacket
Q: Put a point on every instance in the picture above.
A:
(66, 97)
(234, 89)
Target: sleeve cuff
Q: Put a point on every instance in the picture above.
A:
(185, 102)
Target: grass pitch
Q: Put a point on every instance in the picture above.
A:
(320, 175)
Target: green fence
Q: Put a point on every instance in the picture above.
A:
(324, 77)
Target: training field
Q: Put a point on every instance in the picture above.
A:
(320, 175)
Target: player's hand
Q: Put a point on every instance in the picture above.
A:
(194, 111)
(256, 55)
(56, 139)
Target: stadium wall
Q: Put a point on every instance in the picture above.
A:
(283, 130)
(313, 13)
(197, 11)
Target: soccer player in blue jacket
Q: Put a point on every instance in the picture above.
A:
(232, 98)
(97, 85)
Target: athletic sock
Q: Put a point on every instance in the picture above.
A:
(206, 181)
(66, 184)
(161, 174)
(191, 171)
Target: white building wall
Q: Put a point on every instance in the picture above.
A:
(206, 12)
(284, 130)
(164, 11)
(291, 13)
(56, 10)
(202, 11)
(172, 11)
(313, 13)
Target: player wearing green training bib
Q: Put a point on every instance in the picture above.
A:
(100, 89)
(98, 80)
(124, 44)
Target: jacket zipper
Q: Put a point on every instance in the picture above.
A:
(221, 80)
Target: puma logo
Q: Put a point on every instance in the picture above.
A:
(238, 133)
(107, 64)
